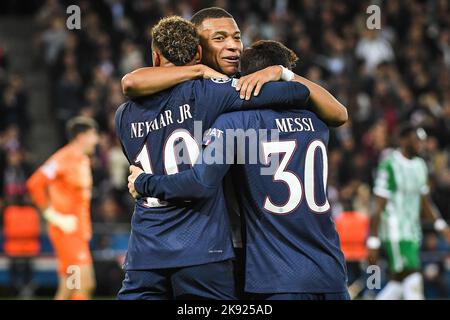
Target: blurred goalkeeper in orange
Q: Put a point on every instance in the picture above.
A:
(62, 189)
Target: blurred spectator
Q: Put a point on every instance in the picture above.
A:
(131, 58)
(47, 12)
(15, 175)
(433, 267)
(13, 104)
(53, 39)
(373, 49)
(109, 211)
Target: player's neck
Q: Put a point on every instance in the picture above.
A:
(406, 154)
(77, 146)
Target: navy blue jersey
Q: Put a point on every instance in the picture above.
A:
(291, 241)
(159, 134)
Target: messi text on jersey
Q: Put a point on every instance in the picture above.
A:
(294, 124)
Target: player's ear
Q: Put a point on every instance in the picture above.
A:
(156, 59)
(198, 55)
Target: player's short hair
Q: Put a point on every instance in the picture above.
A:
(406, 130)
(266, 53)
(78, 125)
(209, 13)
(176, 38)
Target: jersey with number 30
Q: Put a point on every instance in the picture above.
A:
(291, 242)
(157, 134)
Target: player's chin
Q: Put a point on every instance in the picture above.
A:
(90, 152)
(229, 69)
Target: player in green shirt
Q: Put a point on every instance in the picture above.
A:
(402, 193)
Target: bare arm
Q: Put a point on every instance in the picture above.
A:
(150, 80)
(373, 243)
(430, 212)
(327, 107)
(375, 219)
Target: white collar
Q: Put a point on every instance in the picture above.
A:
(402, 158)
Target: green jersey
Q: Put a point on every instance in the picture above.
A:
(402, 182)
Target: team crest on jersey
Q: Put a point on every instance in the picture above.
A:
(49, 169)
(220, 80)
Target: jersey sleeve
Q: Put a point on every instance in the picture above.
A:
(118, 120)
(118, 127)
(221, 97)
(385, 184)
(38, 183)
(200, 182)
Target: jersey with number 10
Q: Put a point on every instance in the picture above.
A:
(157, 133)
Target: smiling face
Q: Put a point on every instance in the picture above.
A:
(221, 43)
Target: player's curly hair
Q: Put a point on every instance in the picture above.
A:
(266, 53)
(176, 38)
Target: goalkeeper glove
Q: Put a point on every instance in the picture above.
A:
(66, 222)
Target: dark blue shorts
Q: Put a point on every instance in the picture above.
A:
(302, 296)
(207, 281)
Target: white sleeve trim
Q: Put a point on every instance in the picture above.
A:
(50, 169)
(382, 192)
(425, 190)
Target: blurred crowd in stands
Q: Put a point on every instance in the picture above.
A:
(386, 78)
